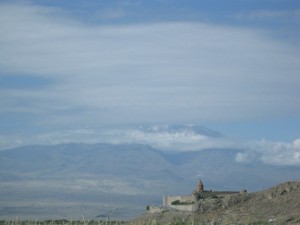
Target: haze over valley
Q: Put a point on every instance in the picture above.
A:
(119, 180)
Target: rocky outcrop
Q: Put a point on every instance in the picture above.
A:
(278, 205)
(282, 190)
(235, 199)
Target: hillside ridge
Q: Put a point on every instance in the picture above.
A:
(279, 204)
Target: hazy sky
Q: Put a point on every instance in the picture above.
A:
(232, 65)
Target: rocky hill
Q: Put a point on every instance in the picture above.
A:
(277, 205)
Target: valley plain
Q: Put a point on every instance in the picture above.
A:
(106, 181)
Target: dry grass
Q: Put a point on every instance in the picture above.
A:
(92, 222)
(153, 222)
(62, 222)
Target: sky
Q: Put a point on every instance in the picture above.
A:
(72, 67)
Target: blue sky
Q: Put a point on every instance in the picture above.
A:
(232, 66)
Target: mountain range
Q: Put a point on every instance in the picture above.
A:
(119, 180)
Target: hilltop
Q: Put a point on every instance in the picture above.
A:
(277, 205)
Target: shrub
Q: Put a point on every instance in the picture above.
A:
(178, 202)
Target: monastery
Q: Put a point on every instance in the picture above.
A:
(199, 200)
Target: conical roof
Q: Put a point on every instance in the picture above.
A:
(200, 186)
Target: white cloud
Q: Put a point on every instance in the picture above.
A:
(156, 72)
(248, 156)
(280, 153)
(170, 141)
(275, 153)
(268, 152)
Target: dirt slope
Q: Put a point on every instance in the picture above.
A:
(277, 205)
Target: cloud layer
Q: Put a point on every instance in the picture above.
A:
(77, 75)
(274, 153)
(155, 72)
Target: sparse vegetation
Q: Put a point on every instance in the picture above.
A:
(178, 202)
(260, 223)
(153, 222)
(61, 222)
(277, 205)
(174, 221)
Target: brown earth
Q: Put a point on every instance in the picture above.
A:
(277, 205)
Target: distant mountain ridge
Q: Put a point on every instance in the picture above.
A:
(116, 174)
(200, 130)
(141, 161)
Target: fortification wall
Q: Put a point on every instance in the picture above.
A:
(190, 208)
(167, 200)
(155, 209)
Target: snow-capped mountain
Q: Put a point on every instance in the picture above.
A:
(172, 129)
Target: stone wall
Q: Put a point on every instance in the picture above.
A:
(167, 200)
(155, 209)
(190, 208)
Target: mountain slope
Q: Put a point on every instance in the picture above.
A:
(124, 174)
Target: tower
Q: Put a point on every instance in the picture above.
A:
(200, 187)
